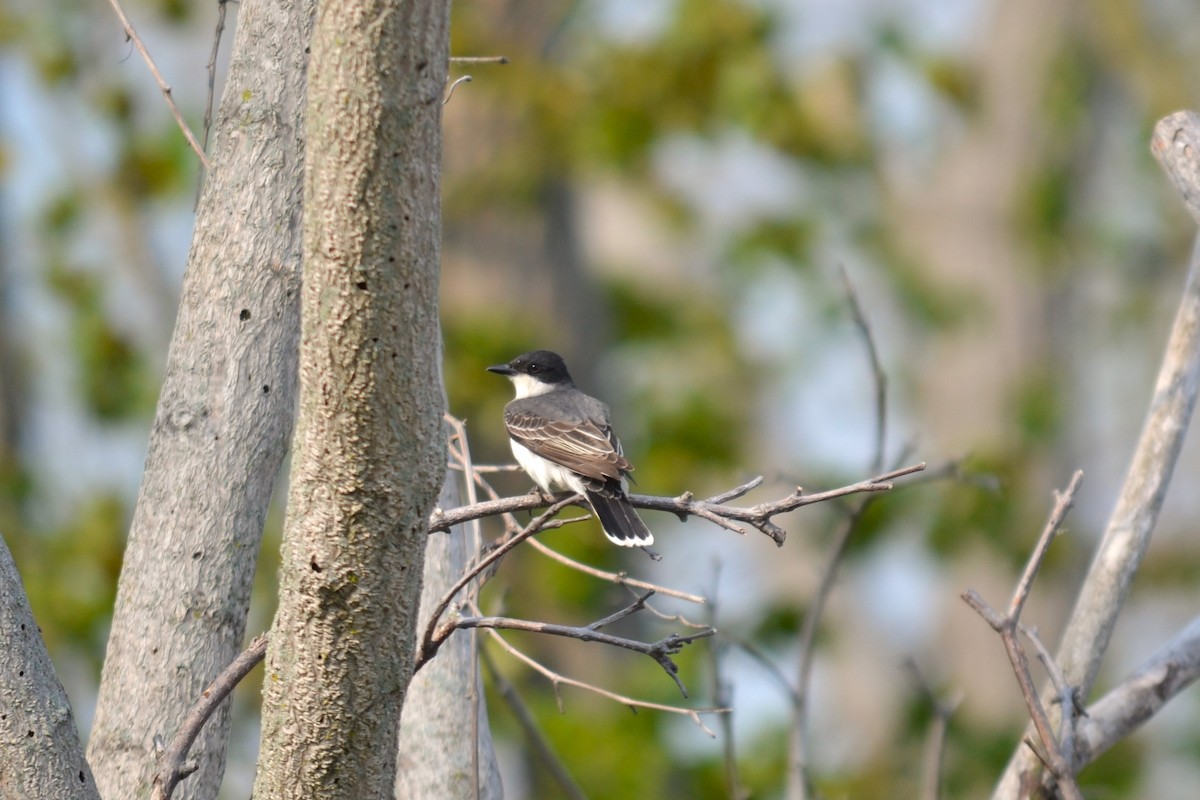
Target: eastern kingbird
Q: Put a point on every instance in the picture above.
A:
(563, 438)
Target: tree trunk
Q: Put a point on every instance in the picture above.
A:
(223, 421)
(370, 452)
(40, 752)
(445, 741)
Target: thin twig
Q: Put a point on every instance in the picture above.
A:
(665, 617)
(162, 83)
(212, 69)
(433, 636)
(1067, 698)
(171, 761)
(557, 679)
(619, 578)
(637, 605)
(453, 86)
(799, 776)
(722, 693)
(878, 376)
(537, 742)
(478, 59)
(799, 780)
(661, 651)
(768, 664)
(935, 743)
(212, 90)
(1050, 752)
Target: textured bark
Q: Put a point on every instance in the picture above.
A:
(223, 421)
(40, 752)
(369, 453)
(445, 741)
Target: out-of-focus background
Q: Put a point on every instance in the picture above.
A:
(665, 191)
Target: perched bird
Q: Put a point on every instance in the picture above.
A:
(563, 439)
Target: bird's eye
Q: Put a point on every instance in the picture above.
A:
(535, 367)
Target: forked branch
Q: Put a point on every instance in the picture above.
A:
(715, 509)
(1008, 626)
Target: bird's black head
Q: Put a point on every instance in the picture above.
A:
(543, 366)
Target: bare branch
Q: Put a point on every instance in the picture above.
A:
(723, 695)
(878, 376)
(935, 743)
(660, 651)
(1058, 762)
(637, 605)
(162, 83)
(1062, 505)
(1176, 145)
(1139, 697)
(525, 721)
(172, 764)
(556, 679)
(737, 491)
(772, 669)
(1066, 696)
(212, 90)
(453, 86)
(799, 777)
(434, 635)
(479, 60)
(212, 69)
(619, 578)
(665, 617)
(683, 506)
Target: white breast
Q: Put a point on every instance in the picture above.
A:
(546, 474)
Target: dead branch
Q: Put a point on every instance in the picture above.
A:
(935, 743)
(557, 679)
(1139, 697)
(619, 578)
(1176, 145)
(715, 509)
(162, 83)
(722, 693)
(431, 640)
(661, 650)
(528, 725)
(173, 766)
(1008, 626)
(799, 776)
(212, 68)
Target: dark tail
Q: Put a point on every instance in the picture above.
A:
(620, 521)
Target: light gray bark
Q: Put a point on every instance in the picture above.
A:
(1177, 145)
(223, 421)
(1139, 697)
(40, 752)
(445, 741)
(369, 453)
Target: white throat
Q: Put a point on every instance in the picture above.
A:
(528, 386)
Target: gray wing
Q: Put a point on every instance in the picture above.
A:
(582, 446)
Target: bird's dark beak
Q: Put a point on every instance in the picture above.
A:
(502, 369)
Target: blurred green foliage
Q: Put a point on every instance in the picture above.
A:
(573, 106)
